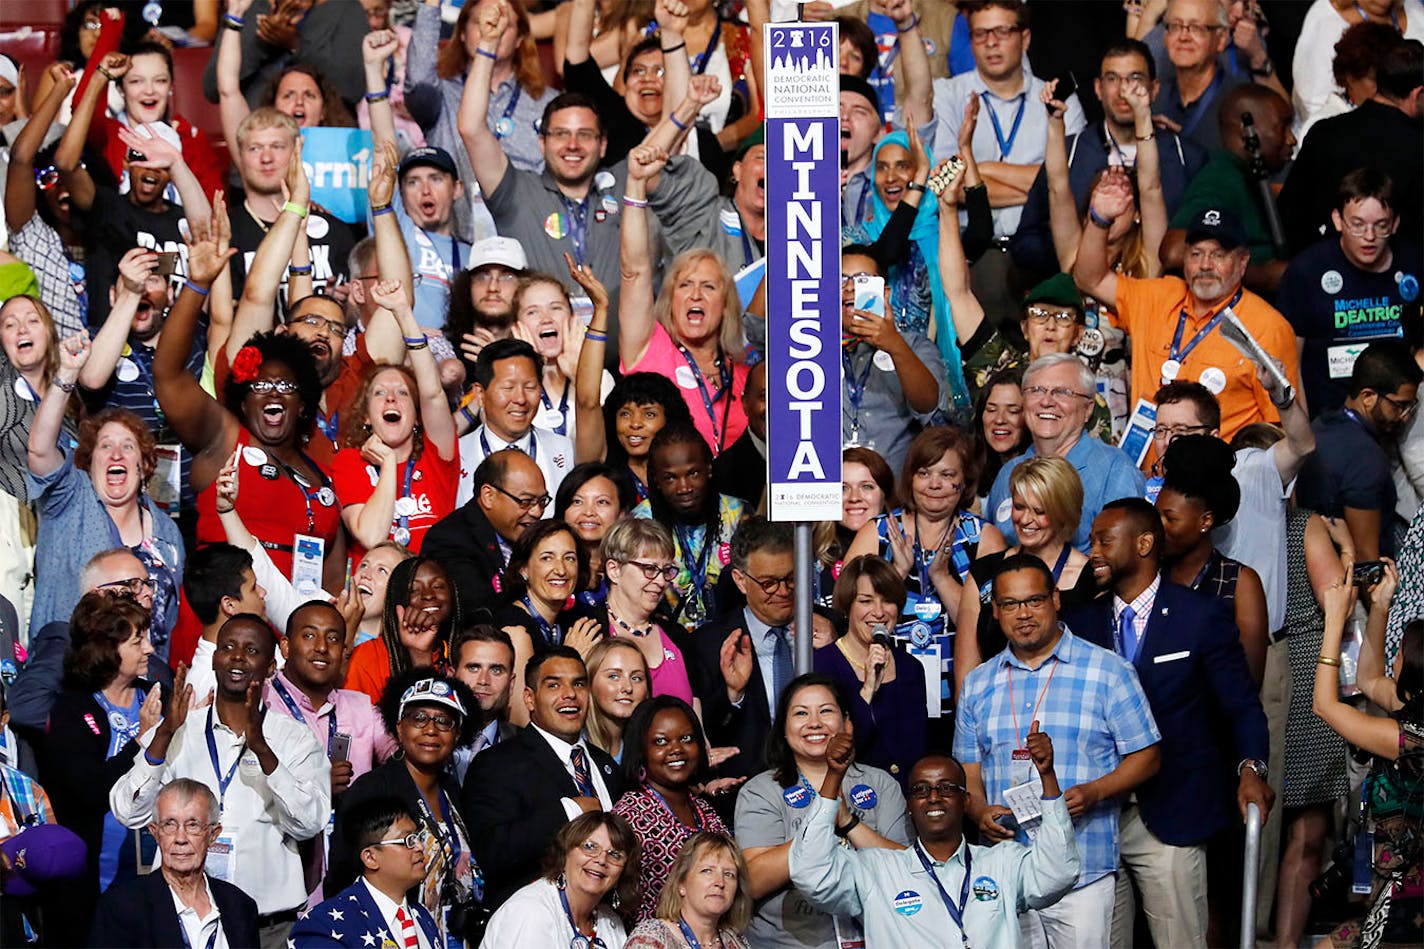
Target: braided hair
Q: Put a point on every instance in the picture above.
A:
(398, 595)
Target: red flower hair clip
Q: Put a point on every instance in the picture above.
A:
(245, 366)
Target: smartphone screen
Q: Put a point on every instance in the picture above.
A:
(870, 295)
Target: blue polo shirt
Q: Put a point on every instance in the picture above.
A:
(1107, 474)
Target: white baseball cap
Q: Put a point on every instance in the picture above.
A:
(505, 251)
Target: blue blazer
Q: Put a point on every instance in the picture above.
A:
(351, 920)
(1193, 671)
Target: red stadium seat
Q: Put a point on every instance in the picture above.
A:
(33, 48)
(188, 101)
(35, 13)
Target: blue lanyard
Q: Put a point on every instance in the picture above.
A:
(699, 572)
(1062, 562)
(1365, 17)
(533, 446)
(691, 937)
(562, 427)
(700, 61)
(212, 940)
(551, 632)
(1200, 107)
(296, 711)
(855, 388)
(118, 736)
(1180, 353)
(329, 425)
(1006, 145)
(580, 940)
(577, 212)
(505, 126)
(710, 401)
(956, 912)
(223, 782)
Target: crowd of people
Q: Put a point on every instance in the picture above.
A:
(408, 580)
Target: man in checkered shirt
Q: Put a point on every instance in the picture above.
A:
(1109, 744)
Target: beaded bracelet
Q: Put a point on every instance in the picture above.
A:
(634, 202)
(295, 208)
(194, 287)
(299, 271)
(485, 53)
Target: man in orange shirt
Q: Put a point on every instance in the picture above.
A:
(1174, 323)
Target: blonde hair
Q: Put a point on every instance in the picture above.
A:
(261, 119)
(739, 914)
(630, 537)
(600, 729)
(1056, 485)
(730, 339)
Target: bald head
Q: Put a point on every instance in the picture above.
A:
(1271, 116)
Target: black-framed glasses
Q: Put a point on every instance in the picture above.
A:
(1194, 30)
(1402, 406)
(273, 386)
(922, 789)
(1000, 33)
(332, 327)
(525, 504)
(1036, 602)
(1170, 432)
(134, 585)
(420, 718)
(651, 571)
(415, 841)
(770, 585)
(192, 827)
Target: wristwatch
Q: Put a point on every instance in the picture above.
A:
(1255, 765)
(1265, 69)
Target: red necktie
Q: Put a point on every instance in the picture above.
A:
(407, 928)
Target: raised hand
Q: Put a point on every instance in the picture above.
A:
(1137, 96)
(989, 826)
(391, 295)
(115, 64)
(73, 354)
(902, 12)
(703, 89)
(920, 169)
(151, 712)
(967, 127)
(178, 704)
(645, 161)
(298, 188)
(493, 20)
(947, 182)
(156, 152)
(1112, 196)
(1055, 106)
(238, 8)
(278, 29)
(583, 635)
(879, 331)
(902, 553)
(226, 483)
(377, 452)
(735, 662)
(671, 16)
(61, 77)
(472, 343)
(209, 250)
(382, 186)
(418, 630)
(840, 752)
(1040, 748)
(135, 268)
(585, 278)
(379, 46)
(256, 741)
(574, 331)
(1381, 594)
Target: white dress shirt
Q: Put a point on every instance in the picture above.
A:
(553, 453)
(563, 749)
(388, 908)
(534, 916)
(199, 931)
(263, 815)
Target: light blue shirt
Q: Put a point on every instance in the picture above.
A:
(764, 644)
(900, 905)
(435, 259)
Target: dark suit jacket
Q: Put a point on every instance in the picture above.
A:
(740, 471)
(745, 728)
(467, 547)
(1193, 671)
(512, 807)
(139, 913)
(352, 920)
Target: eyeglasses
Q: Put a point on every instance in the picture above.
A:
(1195, 30)
(192, 827)
(132, 585)
(270, 386)
(592, 848)
(1402, 406)
(1132, 79)
(1057, 393)
(415, 841)
(1039, 315)
(1357, 228)
(922, 789)
(490, 276)
(1034, 603)
(1170, 432)
(420, 718)
(1000, 33)
(651, 571)
(525, 504)
(93, 26)
(414, 282)
(583, 136)
(332, 327)
(646, 72)
(772, 584)
(859, 279)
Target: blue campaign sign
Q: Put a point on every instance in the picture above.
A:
(338, 164)
(803, 271)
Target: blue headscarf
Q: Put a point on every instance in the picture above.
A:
(925, 234)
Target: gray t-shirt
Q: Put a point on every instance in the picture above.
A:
(1256, 536)
(769, 815)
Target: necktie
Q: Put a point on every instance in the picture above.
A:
(783, 669)
(1127, 634)
(581, 776)
(407, 928)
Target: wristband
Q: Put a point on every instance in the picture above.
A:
(378, 96)
(295, 208)
(412, 347)
(914, 22)
(223, 510)
(194, 287)
(299, 271)
(378, 209)
(680, 126)
(414, 341)
(106, 74)
(596, 336)
(480, 51)
(1098, 219)
(233, 22)
(1325, 660)
(64, 386)
(850, 825)
(634, 202)
(150, 759)
(1146, 138)
(673, 49)
(916, 186)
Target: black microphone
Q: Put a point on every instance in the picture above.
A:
(880, 636)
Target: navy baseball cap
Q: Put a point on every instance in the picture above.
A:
(429, 156)
(1217, 224)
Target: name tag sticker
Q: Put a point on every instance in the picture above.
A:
(1341, 359)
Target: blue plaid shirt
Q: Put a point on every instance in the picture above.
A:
(1093, 709)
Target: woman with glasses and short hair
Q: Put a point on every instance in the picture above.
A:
(590, 871)
(428, 713)
(91, 741)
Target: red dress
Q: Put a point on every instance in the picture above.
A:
(431, 495)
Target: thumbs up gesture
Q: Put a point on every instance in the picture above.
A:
(1040, 749)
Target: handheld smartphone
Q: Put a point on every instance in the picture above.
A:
(1368, 573)
(1067, 85)
(341, 747)
(134, 154)
(167, 263)
(870, 295)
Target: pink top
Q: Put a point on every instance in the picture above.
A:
(354, 715)
(670, 677)
(669, 360)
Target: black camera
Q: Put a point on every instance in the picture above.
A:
(1331, 885)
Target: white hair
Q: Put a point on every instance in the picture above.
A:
(1086, 380)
